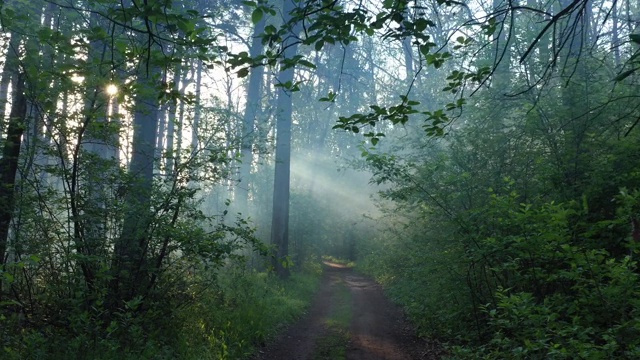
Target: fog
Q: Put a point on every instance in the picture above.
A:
(330, 180)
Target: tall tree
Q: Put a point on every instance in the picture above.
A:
(252, 111)
(282, 178)
(130, 267)
(9, 160)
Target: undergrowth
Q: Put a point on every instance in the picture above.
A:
(532, 281)
(224, 318)
(246, 310)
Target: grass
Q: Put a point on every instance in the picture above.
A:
(249, 309)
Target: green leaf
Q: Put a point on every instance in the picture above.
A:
(635, 38)
(243, 72)
(186, 26)
(306, 63)
(421, 24)
(257, 15)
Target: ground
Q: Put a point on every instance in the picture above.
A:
(350, 318)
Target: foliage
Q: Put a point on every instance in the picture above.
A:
(516, 236)
(222, 317)
(109, 248)
(69, 284)
(545, 292)
(54, 304)
(244, 310)
(424, 276)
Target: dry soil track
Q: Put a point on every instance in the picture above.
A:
(377, 329)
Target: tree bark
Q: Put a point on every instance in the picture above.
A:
(615, 37)
(171, 124)
(131, 271)
(252, 110)
(9, 162)
(197, 112)
(502, 55)
(11, 58)
(280, 216)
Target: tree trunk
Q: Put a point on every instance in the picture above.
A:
(9, 162)
(11, 59)
(162, 133)
(502, 54)
(615, 34)
(197, 111)
(131, 271)
(171, 124)
(280, 216)
(252, 110)
(408, 54)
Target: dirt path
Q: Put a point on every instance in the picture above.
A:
(350, 319)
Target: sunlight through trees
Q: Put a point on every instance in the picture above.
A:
(168, 166)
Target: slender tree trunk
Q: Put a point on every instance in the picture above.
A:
(114, 117)
(615, 34)
(11, 59)
(502, 54)
(408, 60)
(252, 110)
(408, 54)
(280, 216)
(180, 125)
(171, 124)
(197, 111)
(162, 131)
(9, 162)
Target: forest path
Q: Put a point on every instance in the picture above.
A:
(350, 318)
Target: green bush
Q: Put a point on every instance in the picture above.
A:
(421, 271)
(509, 280)
(548, 289)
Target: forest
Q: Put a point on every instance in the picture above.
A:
(175, 176)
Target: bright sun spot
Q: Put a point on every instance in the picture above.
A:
(77, 78)
(112, 90)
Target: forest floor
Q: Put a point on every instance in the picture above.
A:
(350, 318)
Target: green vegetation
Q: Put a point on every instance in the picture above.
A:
(248, 308)
(155, 155)
(504, 253)
(223, 319)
